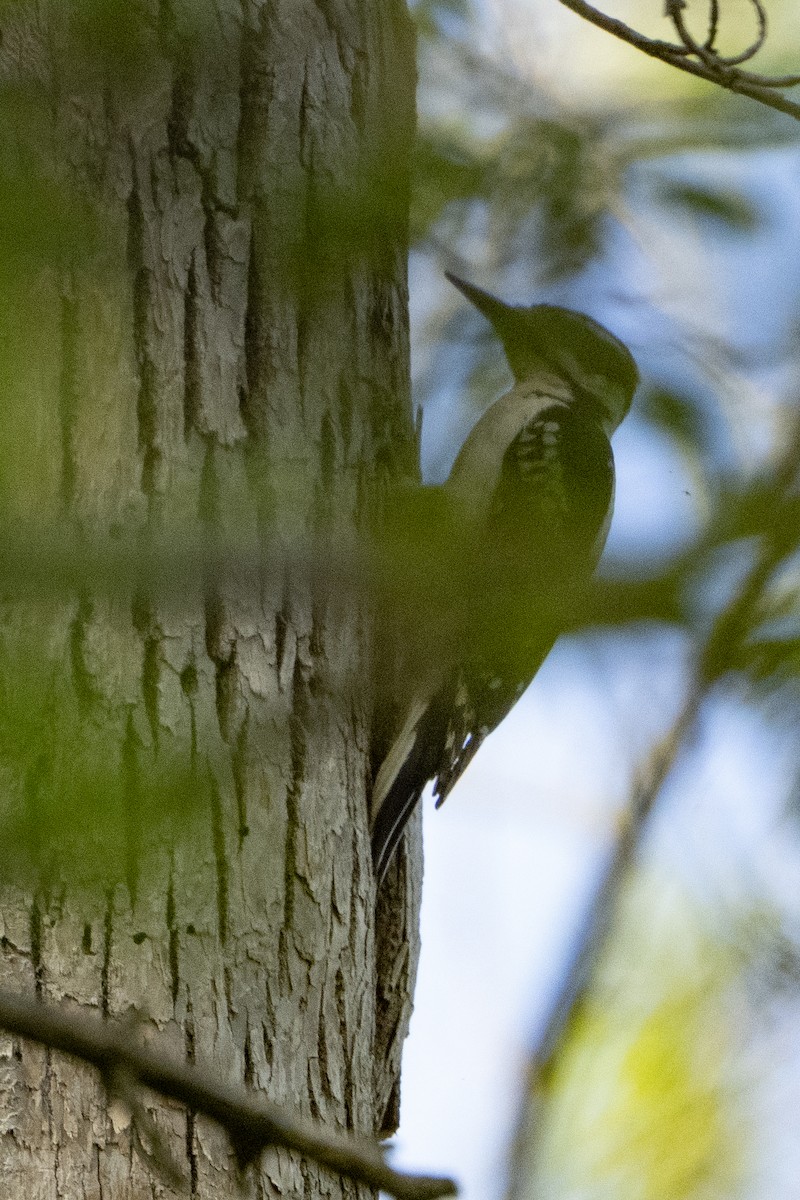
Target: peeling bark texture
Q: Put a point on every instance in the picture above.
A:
(214, 354)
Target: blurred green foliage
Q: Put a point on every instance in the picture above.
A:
(729, 208)
(504, 170)
(644, 1102)
(540, 187)
(534, 190)
(543, 176)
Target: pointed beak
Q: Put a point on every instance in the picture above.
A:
(493, 309)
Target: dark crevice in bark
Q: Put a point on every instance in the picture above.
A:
(105, 969)
(213, 242)
(254, 342)
(97, 1175)
(86, 940)
(227, 979)
(327, 454)
(182, 146)
(268, 1035)
(298, 750)
(191, 1153)
(394, 976)
(323, 1069)
(347, 1058)
(345, 416)
(35, 933)
(254, 88)
(189, 686)
(191, 1145)
(355, 891)
(227, 682)
(382, 325)
(146, 398)
(144, 622)
(220, 859)
(174, 942)
(316, 643)
(252, 401)
(133, 815)
(47, 1090)
(220, 647)
(180, 112)
(282, 622)
(81, 676)
(188, 681)
(68, 400)
(312, 1069)
(191, 360)
(189, 1034)
(247, 1054)
(239, 768)
(256, 76)
(358, 92)
(191, 1148)
(223, 656)
(151, 676)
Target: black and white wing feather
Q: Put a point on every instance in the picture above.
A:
(537, 539)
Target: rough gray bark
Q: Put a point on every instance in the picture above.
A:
(221, 362)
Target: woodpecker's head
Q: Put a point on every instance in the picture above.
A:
(596, 365)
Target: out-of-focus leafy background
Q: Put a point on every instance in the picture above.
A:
(555, 163)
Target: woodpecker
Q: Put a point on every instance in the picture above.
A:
(531, 494)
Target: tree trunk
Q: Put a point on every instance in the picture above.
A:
(205, 373)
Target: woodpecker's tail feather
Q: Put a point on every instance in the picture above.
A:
(410, 763)
(390, 827)
(442, 734)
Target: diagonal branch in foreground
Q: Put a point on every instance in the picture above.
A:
(251, 1123)
(594, 930)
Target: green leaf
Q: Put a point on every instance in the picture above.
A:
(724, 206)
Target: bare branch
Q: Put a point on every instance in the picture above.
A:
(713, 24)
(592, 934)
(250, 1121)
(706, 64)
(674, 10)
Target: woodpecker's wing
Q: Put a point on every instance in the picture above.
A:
(537, 540)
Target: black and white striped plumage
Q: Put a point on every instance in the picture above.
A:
(531, 493)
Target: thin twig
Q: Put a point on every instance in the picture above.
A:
(674, 10)
(713, 24)
(249, 1120)
(756, 87)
